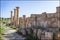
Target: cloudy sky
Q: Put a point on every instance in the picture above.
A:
(28, 7)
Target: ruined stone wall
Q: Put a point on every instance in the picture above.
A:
(44, 19)
(25, 22)
(47, 18)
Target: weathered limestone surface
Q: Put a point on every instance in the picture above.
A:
(44, 19)
(49, 21)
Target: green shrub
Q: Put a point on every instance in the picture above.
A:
(2, 30)
(1, 37)
(14, 27)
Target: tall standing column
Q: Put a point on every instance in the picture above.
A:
(15, 16)
(11, 17)
(17, 9)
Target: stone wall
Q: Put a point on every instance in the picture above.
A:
(45, 19)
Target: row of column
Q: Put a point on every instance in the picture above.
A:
(15, 19)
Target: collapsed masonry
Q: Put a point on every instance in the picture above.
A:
(44, 20)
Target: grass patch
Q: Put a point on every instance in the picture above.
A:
(14, 27)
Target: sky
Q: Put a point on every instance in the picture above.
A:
(27, 7)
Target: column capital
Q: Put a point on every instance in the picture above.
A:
(17, 7)
(14, 9)
(11, 11)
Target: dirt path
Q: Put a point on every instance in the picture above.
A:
(11, 34)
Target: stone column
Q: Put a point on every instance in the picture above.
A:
(24, 20)
(58, 13)
(19, 21)
(58, 9)
(44, 15)
(15, 16)
(11, 17)
(17, 9)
